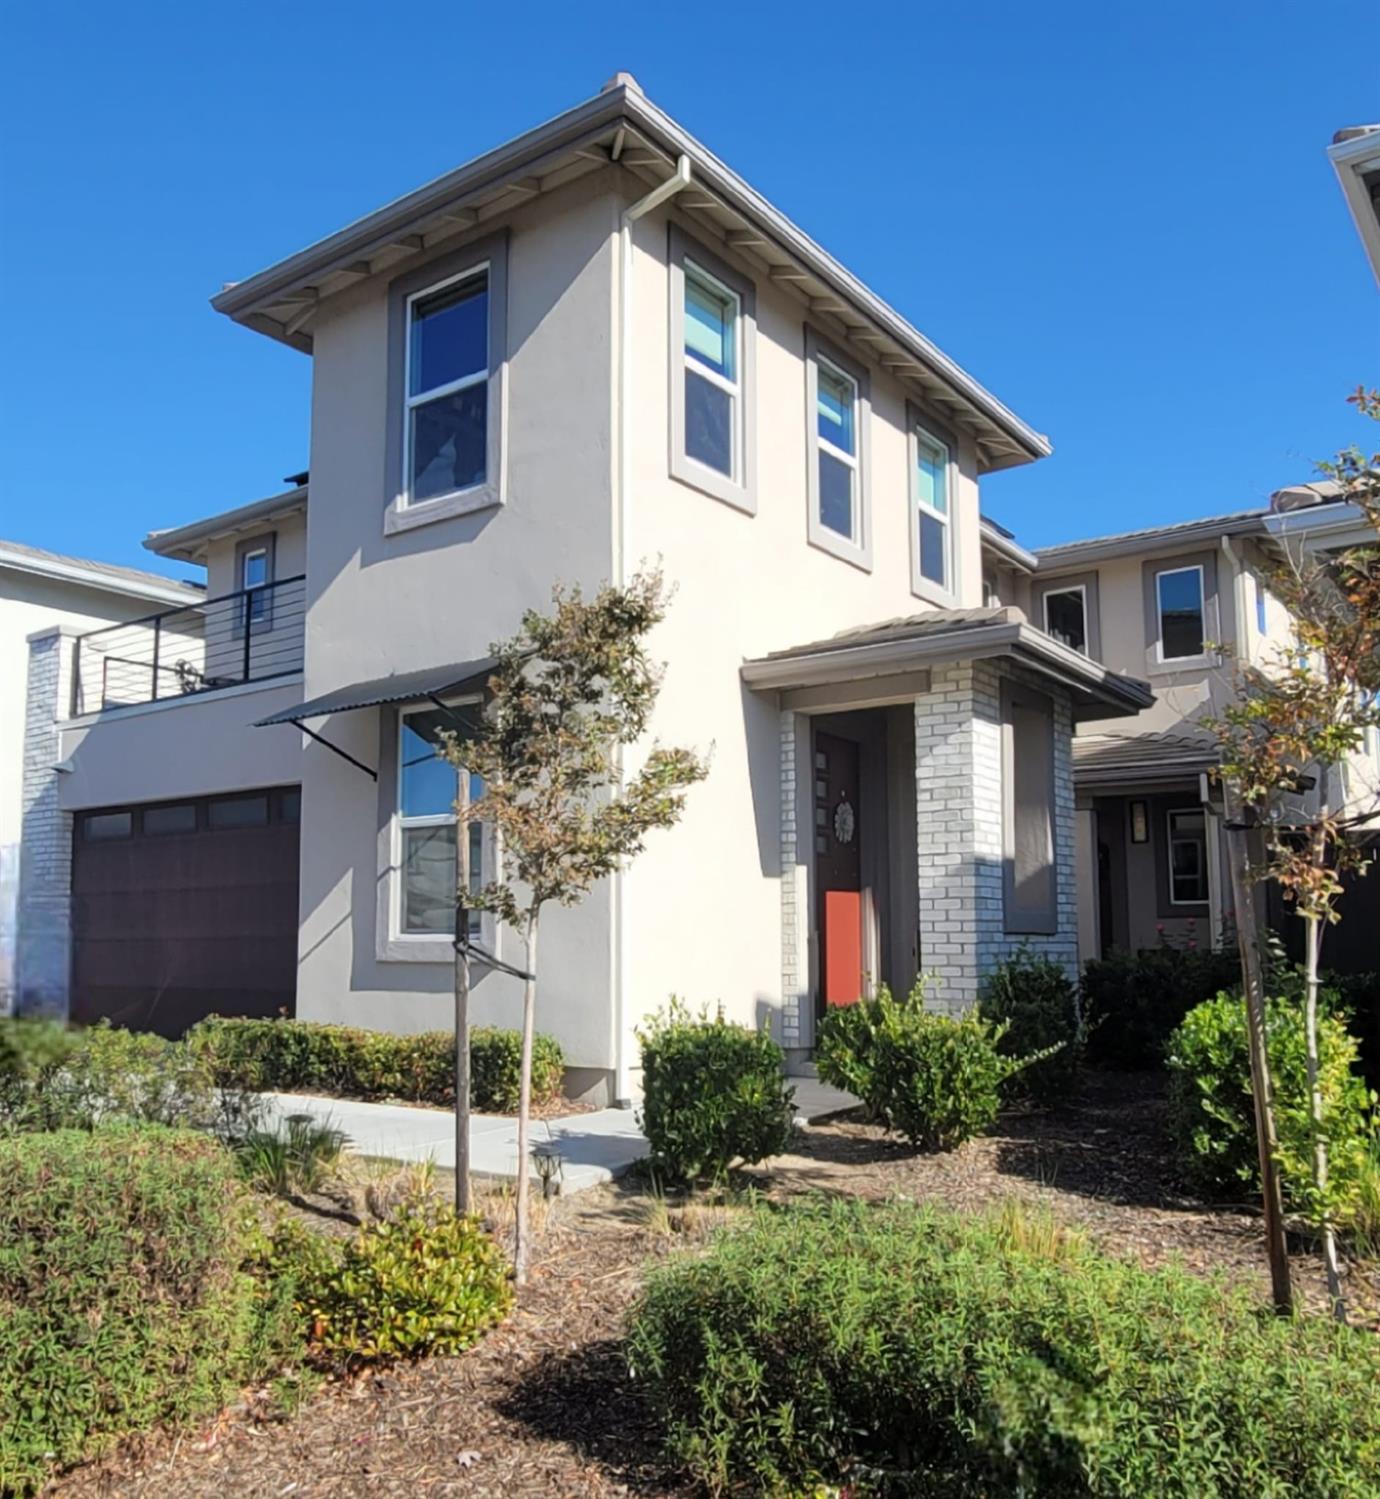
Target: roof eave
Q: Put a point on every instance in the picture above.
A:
(189, 543)
(170, 592)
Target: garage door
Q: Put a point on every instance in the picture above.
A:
(186, 909)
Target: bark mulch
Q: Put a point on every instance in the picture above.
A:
(545, 1407)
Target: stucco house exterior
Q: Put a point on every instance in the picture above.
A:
(1176, 605)
(592, 347)
(39, 591)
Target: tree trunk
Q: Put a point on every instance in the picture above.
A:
(1315, 1114)
(524, 1165)
(462, 994)
(1262, 1091)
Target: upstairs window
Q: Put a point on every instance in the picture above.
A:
(836, 423)
(1188, 861)
(712, 364)
(253, 579)
(931, 505)
(1180, 613)
(1066, 617)
(426, 854)
(446, 423)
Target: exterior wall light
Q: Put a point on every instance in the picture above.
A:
(1140, 822)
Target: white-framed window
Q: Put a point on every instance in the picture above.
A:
(836, 451)
(1066, 616)
(1181, 614)
(446, 388)
(254, 570)
(1186, 835)
(425, 852)
(712, 340)
(932, 498)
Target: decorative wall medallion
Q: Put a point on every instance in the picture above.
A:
(844, 822)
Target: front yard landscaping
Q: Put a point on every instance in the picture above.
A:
(544, 1405)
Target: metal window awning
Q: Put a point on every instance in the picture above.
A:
(435, 683)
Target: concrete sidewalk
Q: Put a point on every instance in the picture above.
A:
(593, 1148)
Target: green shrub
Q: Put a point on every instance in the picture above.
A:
(1132, 1002)
(1212, 1114)
(712, 1094)
(935, 1079)
(901, 1351)
(347, 1062)
(29, 1051)
(423, 1281)
(1036, 1002)
(299, 1157)
(122, 1294)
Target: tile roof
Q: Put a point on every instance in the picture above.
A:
(16, 553)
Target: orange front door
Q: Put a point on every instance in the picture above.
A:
(838, 870)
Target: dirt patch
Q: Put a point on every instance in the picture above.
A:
(545, 1407)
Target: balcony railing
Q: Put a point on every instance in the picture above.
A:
(251, 636)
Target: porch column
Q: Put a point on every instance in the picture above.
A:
(43, 946)
(796, 1033)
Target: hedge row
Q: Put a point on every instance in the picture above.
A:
(345, 1062)
(898, 1351)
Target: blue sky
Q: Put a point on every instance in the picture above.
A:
(1120, 218)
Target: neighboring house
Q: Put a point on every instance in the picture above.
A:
(593, 346)
(1355, 156)
(41, 590)
(1156, 603)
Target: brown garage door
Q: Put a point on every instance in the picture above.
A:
(186, 909)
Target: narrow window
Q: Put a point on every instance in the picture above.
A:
(1188, 865)
(932, 509)
(254, 578)
(1029, 885)
(836, 432)
(447, 392)
(426, 821)
(712, 364)
(1261, 618)
(1179, 600)
(1066, 617)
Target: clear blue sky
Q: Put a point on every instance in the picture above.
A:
(1120, 218)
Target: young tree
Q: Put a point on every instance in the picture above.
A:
(1286, 740)
(570, 691)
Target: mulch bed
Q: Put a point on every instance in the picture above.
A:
(545, 1407)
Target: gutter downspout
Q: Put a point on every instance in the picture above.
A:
(622, 1082)
(1237, 572)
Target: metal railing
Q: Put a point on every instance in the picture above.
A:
(250, 636)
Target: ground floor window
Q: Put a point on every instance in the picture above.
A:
(426, 827)
(1188, 862)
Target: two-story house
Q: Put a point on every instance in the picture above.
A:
(1178, 606)
(592, 347)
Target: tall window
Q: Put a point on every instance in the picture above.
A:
(254, 577)
(1261, 616)
(1029, 881)
(713, 362)
(446, 422)
(1179, 602)
(836, 432)
(932, 509)
(426, 823)
(1188, 863)
(1066, 617)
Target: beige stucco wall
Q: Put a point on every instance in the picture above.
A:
(441, 594)
(701, 908)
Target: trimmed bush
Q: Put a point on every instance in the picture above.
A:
(901, 1351)
(712, 1094)
(1212, 1113)
(344, 1061)
(1036, 1002)
(122, 1295)
(1132, 1002)
(935, 1079)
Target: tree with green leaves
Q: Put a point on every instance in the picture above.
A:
(1295, 726)
(569, 694)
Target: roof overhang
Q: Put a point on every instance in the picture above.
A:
(189, 543)
(70, 570)
(402, 687)
(1002, 545)
(1321, 527)
(620, 125)
(1095, 691)
(1139, 761)
(1355, 157)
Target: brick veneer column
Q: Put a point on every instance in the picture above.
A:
(44, 938)
(795, 978)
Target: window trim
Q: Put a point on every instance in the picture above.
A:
(918, 426)
(856, 552)
(1156, 664)
(266, 542)
(1043, 922)
(489, 255)
(392, 944)
(740, 491)
(1161, 809)
(1048, 594)
(1092, 606)
(1170, 813)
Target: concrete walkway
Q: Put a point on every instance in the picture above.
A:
(593, 1148)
